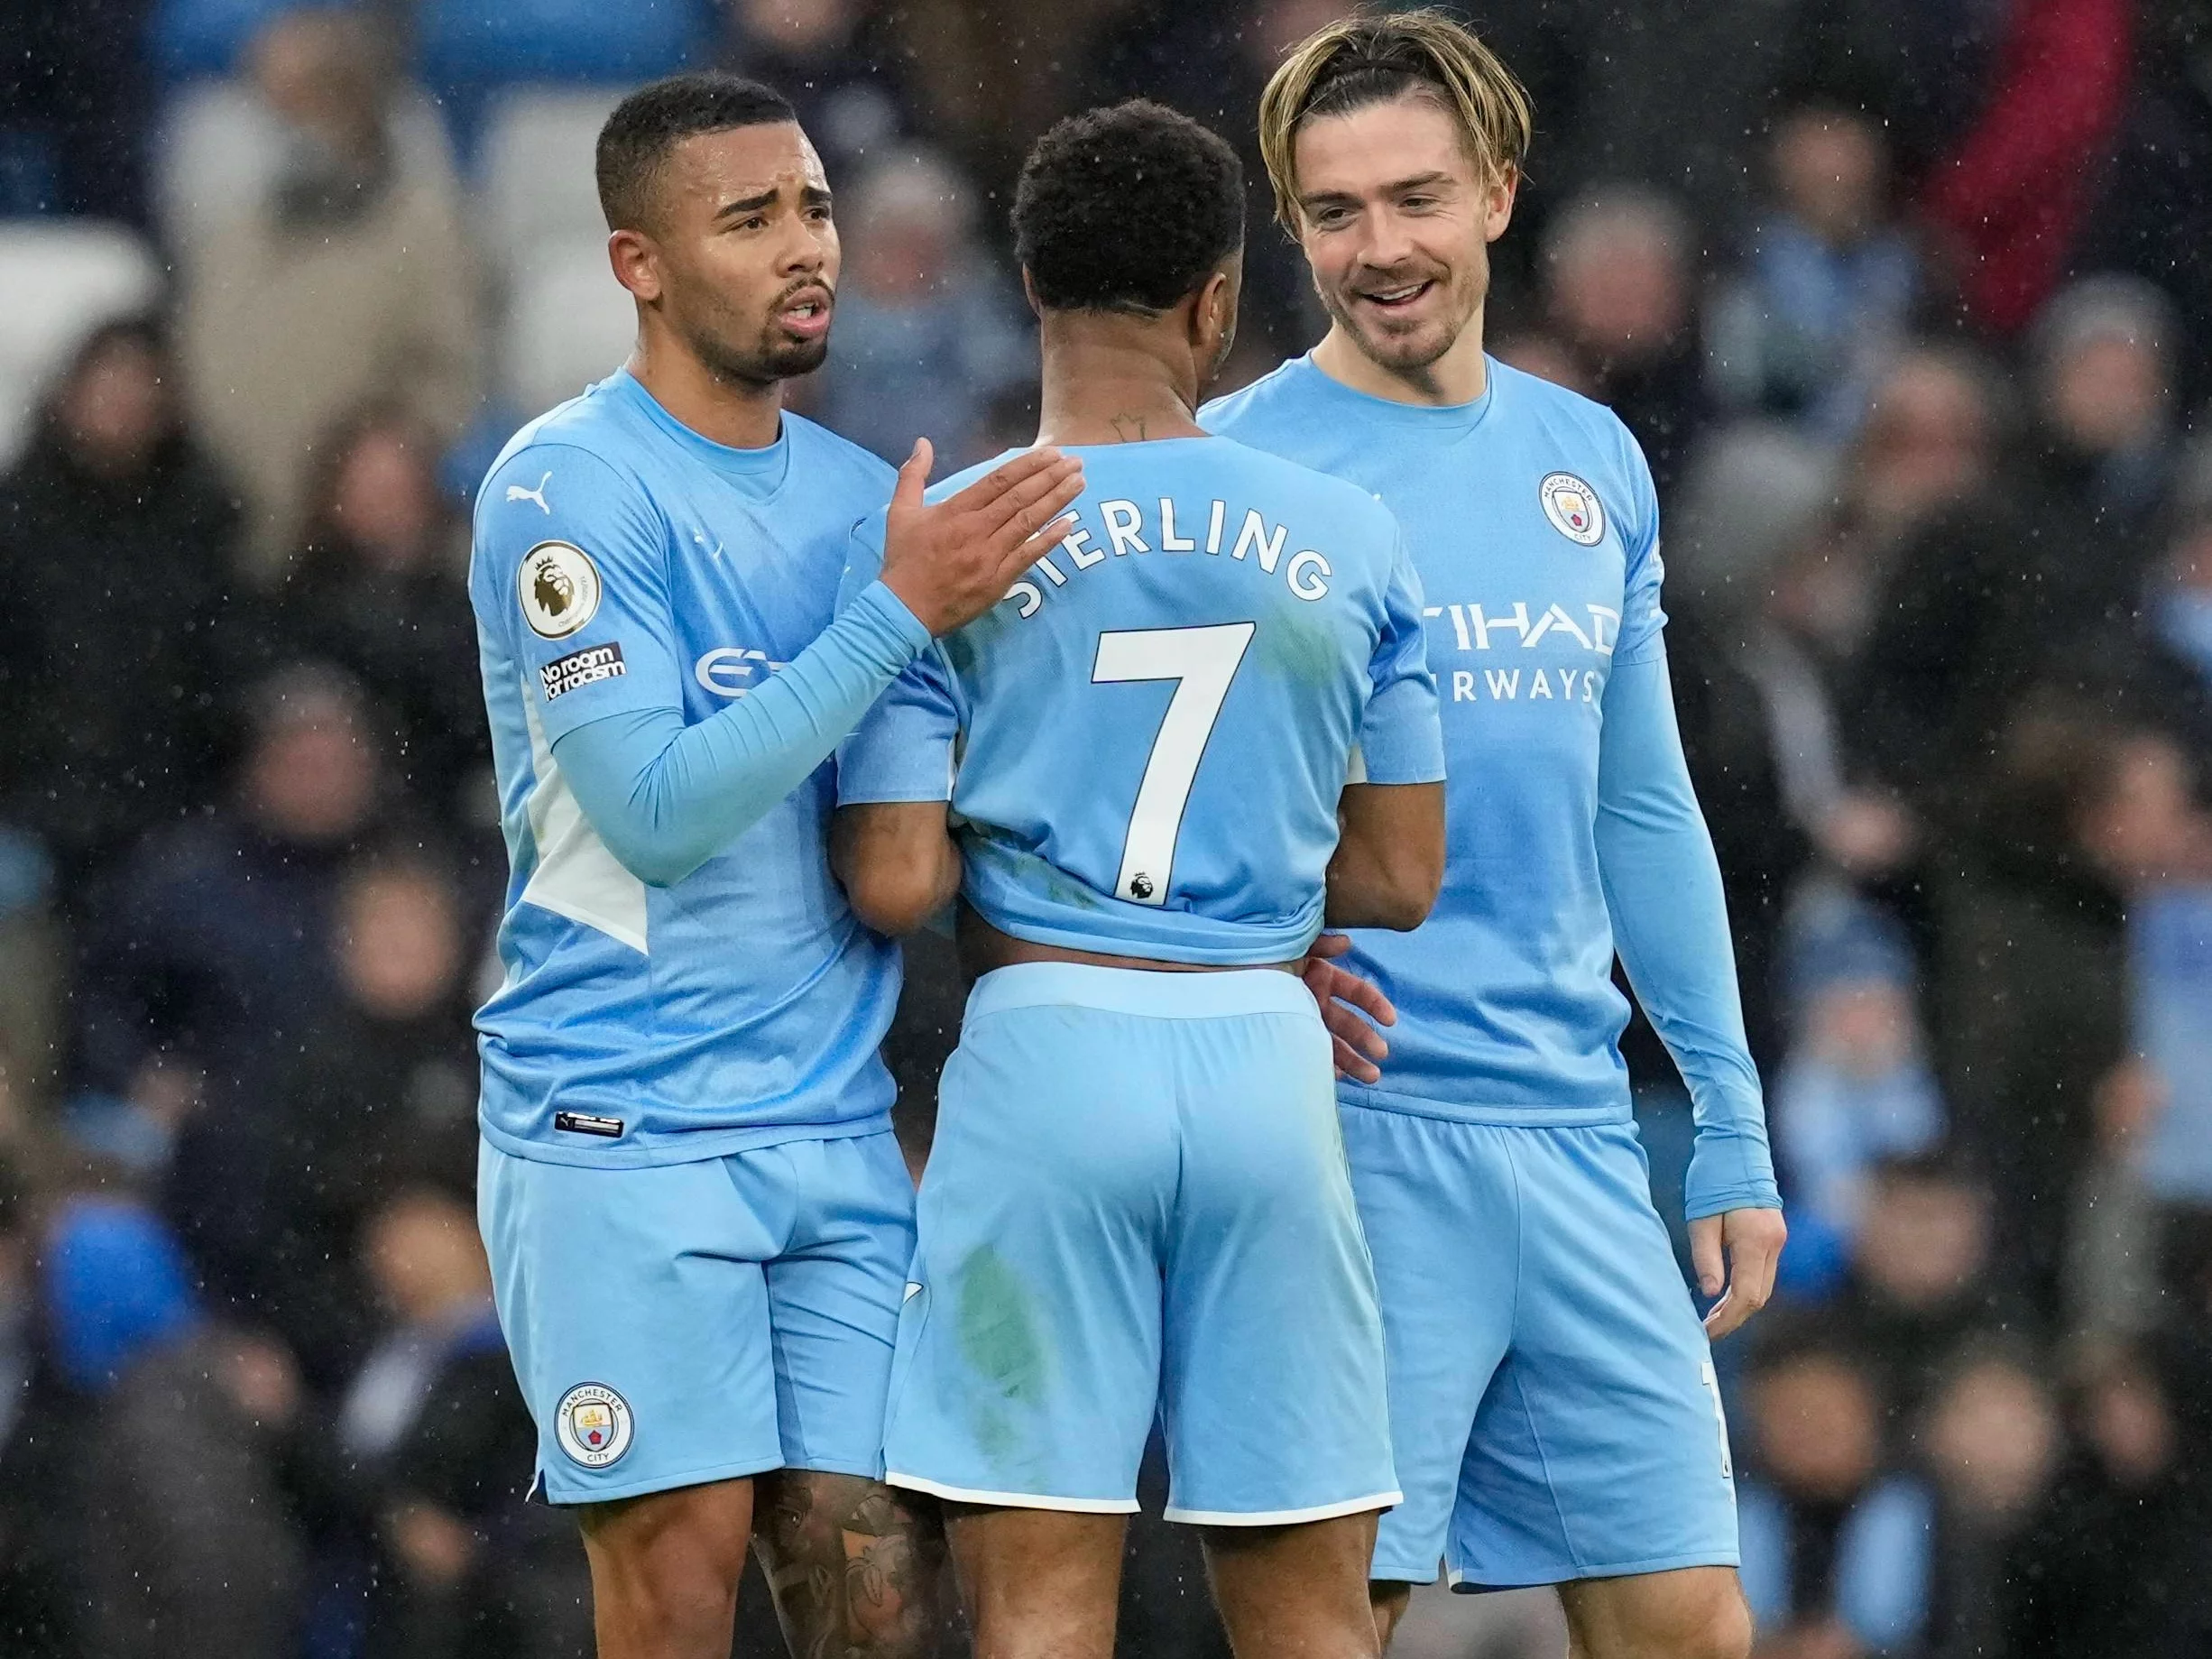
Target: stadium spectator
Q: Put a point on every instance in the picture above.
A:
(927, 333)
(2113, 1564)
(379, 588)
(1856, 1088)
(379, 1091)
(2102, 354)
(1618, 296)
(1828, 281)
(116, 539)
(1835, 1534)
(2030, 972)
(831, 60)
(1991, 1441)
(1921, 1283)
(188, 1545)
(350, 282)
(440, 1449)
(207, 962)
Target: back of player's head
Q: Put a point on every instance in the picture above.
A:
(1126, 209)
(1361, 61)
(635, 143)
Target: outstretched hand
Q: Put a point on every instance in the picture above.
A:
(952, 560)
(1736, 1255)
(1348, 1003)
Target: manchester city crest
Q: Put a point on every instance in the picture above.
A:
(593, 1424)
(558, 587)
(1573, 507)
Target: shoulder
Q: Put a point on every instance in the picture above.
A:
(824, 449)
(1252, 403)
(1585, 432)
(1348, 505)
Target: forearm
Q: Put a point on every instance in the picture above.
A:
(1671, 927)
(665, 796)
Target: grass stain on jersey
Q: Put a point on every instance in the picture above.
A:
(1301, 646)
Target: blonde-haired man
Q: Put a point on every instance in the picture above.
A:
(1554, 1417)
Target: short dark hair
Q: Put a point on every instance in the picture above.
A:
(1126, 209)
(634, 144)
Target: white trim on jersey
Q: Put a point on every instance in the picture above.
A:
(576, 877)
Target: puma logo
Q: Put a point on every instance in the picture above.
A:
(516, 493)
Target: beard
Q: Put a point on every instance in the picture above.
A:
(769, 356)
(1407, 349)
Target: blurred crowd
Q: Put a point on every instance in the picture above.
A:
(1911, 306)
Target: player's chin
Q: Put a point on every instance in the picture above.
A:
(788, 358)
(1411, 343)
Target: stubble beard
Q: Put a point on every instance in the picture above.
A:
(1412, 352)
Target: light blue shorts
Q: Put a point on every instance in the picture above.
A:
(689, 1322)
(1137, 1204)
(1553, 1404)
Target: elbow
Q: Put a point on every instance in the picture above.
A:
(1397, 897)
(1406, 903)
(656, 865)
(894, 904)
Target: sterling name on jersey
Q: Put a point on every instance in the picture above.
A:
(1154, 727)
(1534, 521)
(624, 563)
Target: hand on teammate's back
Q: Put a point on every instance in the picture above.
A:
(952, 560)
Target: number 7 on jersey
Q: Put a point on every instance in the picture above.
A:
(1202, 661)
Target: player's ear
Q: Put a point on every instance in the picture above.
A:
(1497, 207)
(637, 263)
(1213, 316)
(1028, 292)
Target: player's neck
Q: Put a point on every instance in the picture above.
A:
(1461, 376)
(1106, 383)
(740, 414)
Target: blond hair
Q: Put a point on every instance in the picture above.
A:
(1367, 59)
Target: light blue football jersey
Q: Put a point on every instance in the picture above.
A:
(1148, 738)
(622, 562)
(1531, 516)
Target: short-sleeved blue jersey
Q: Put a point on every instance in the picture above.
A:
(1148, 738)
(622, 562)
(1531, 516)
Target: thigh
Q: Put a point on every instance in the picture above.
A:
(664, 1568)
(1028, 1368)
(1037, 1584)
(1295, 1589)
(855, 1566)
(1688, 1611)
(833, 1298)
(1274, 1390)
(1437, 1204)
(635, 1307)
(1600, 1450)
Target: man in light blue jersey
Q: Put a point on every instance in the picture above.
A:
(1553, 1408)
(1137, 1202)
(698, 1222)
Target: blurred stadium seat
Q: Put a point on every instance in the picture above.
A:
(59, 280)
(568, 323)
(536, 170)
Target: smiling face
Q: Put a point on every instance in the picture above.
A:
(1396, 217)
(741, 260)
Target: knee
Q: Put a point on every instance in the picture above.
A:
(1715, 1626)
(1714, 1623)
(665, 1569)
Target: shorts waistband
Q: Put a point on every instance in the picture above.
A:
(1142, 991)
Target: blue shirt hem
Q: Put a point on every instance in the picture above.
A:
(675, 1146)
(1495, 1115)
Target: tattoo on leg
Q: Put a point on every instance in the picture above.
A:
(854, 1567)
